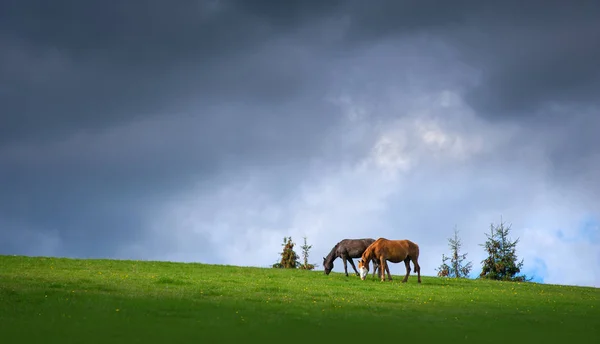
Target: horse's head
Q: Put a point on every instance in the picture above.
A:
(327, 266)
(363, 268)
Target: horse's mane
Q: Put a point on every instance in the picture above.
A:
(368, 253)
(331, 255)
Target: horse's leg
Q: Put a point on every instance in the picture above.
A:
(353, 266)
(382, 267)
(407, 264)
(345, 264)
(376, 267)
(387, 268)
(417, 269)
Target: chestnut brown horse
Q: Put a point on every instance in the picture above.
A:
(395, 251)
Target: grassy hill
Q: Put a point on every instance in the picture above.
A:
(50, 300)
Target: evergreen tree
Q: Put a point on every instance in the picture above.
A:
(501, 262)
(457, 268)
(289, 258)
(305, 251)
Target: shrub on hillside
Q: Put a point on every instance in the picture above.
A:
(289, 258)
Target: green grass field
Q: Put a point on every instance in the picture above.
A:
(51, 300)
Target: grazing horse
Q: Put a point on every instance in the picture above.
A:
(395, 251)
(348, 249)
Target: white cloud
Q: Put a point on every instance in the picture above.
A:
(569, 260)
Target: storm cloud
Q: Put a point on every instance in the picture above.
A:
(209, 130)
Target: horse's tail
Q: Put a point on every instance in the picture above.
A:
(417, 267)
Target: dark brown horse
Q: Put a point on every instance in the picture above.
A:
(348, 249)
(395, 251)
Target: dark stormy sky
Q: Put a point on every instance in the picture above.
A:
(208, 130)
